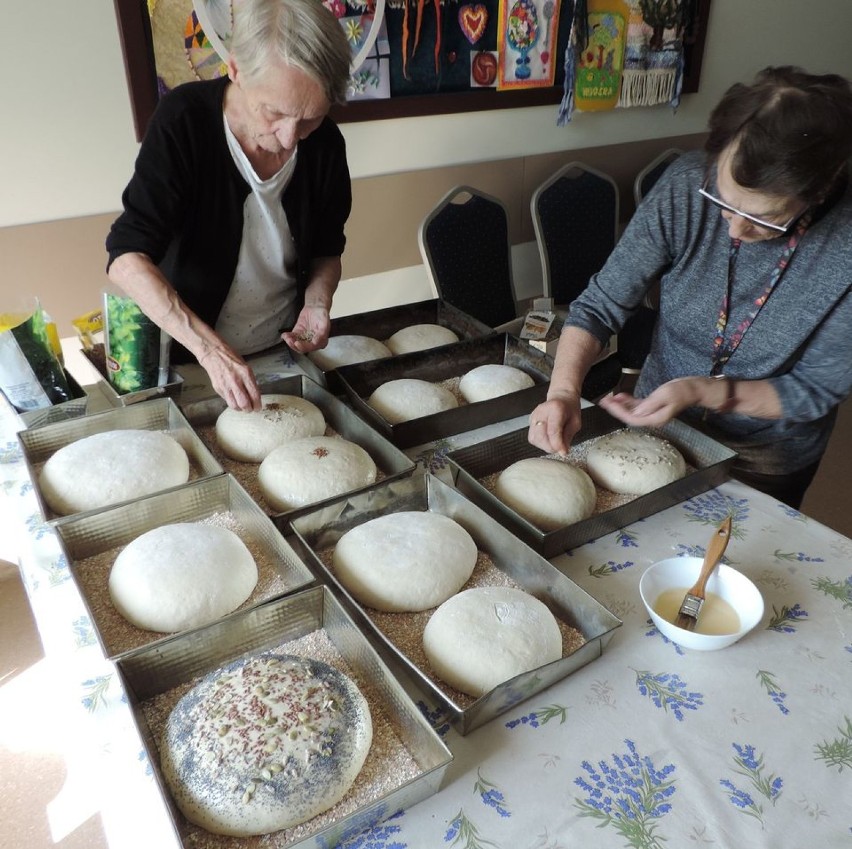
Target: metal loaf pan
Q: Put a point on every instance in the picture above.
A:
(390, 461)
(321, 530)
(438, 364)
(382, 324)
(710, 462)
(280, 570)
(157, 414)
(97, 358)
(151, 672)
(71, 409)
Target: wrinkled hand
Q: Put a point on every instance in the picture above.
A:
(659, 408)
(310, 331)
(554, 423)
(232, 378)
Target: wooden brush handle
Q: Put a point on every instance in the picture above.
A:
(715, 550)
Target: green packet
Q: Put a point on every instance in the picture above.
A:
(31, 375)
(137, 351)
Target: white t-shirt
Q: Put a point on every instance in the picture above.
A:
(262, 296)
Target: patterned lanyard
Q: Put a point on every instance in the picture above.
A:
(723, 350)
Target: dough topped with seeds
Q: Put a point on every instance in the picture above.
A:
(633, 462)
(265, 743)
(250, 435)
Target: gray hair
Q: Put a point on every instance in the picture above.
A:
(300, 33)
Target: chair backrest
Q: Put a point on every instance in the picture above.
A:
(464, 242)
(652, 172)
(575, 216)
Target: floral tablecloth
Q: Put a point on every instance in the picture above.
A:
(648, 746)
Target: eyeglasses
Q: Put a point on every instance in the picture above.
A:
(758, 222)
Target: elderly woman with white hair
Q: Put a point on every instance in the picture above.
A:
(233, 222)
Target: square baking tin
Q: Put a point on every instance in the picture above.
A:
(159, 414)
(71, 409)
(360, 380)
(390, 461)
(319, 531)
(180, 660)
(710, 463)
(280, 570)
(382, 324)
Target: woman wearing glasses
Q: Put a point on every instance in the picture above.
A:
(752, 243)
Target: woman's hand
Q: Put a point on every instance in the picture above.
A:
(231, 378)
(661, 406)
(310, 331)
(554, 423)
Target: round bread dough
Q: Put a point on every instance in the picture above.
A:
(487, 635)
(408, 398)
(181, 576)
(312, 469)
(265, 743)
(405, 561)
(110, 467)
(420, 337)
(492, 381)
(249, 436)
(549, 493)
(347, 349)
(633, 462)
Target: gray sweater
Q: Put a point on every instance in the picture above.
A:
(801, 340)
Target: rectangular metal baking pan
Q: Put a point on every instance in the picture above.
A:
(710, 462)
(315, 532)
(390, 460)
(71, 409)
(157, 414)
(280, 570)
(382, 324)
(170, 389)
(360, 380)
(150, 672)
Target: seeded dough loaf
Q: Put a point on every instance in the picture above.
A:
(346, 349)
(110, 467)
(265, 743)
(491, 381)
(486, 635)
(408, 398)
(181, 576)
(405, 561)
(249, 436)
(634, 462)
(550, 493)
(420, 337)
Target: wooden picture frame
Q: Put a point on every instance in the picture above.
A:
(137, 46)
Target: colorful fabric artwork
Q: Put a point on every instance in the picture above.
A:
(526, 31)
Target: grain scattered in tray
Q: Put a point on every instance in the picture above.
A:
(389, 764)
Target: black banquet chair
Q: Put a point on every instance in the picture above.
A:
(648, 176)
(465, 246)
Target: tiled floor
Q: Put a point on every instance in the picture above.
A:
(32, 768)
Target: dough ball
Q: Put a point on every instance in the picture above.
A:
(248, 436)
(407, 398)
(633, 462)
(313, 469)
(265, 743)
(550, 493)
(420, 337)
(487, 635)
(181, 576)
(405, 561)
(492, 381)
(345, 350)
(110, 467)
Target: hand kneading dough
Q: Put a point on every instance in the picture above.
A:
(633, 462)
(492, 381)
(181, 576)
(405, 399)
(109, 467)
(249, 436)
(487, 635)
(550, 493)
(344, 350)
(308, 470)
(265, 743)
(420, 337)
(406, 561)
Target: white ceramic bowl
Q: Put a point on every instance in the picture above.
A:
(726, 582)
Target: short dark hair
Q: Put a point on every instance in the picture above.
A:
(791, 131)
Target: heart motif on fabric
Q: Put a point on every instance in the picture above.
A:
(472, 20)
